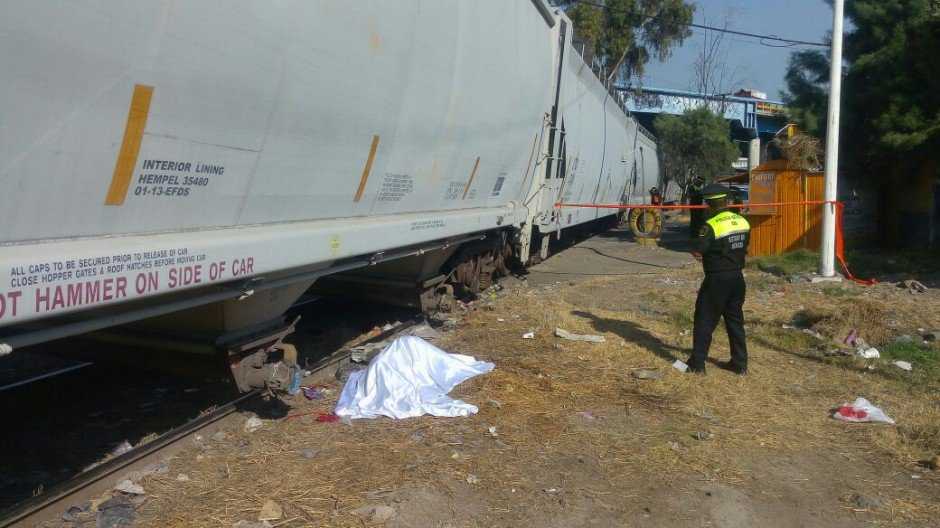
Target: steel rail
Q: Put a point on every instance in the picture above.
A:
(57, 499)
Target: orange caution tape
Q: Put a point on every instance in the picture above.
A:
(840, 249)
(840, 242)
(648, 206)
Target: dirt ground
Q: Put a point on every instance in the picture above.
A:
(579, 440)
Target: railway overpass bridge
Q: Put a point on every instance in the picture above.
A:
(753, 120)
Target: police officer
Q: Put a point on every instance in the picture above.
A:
(721, 246)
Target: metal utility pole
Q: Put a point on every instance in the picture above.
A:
(828, 249)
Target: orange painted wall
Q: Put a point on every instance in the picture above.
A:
(790, 227)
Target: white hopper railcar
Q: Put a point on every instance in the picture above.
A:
(199, 166)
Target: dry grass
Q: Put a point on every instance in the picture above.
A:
(802, 150)
(868, 316)
(783, 405)
(549, 398)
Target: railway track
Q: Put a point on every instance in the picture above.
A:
(92, 483)
(57, 500)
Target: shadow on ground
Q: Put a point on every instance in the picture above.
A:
(634, 333)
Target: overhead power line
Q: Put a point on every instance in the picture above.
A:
(774, 38)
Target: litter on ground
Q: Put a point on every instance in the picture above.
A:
(647, 374)
(126, 486)
(122, 448)
(253, 424)
(861, 410)
(564, 334)
(327, 418)
(365, 352)
(313, 393)
(850, 338)
(680, 365)
(813, 333)
(424, 331)
(903, 365)
(409, 378)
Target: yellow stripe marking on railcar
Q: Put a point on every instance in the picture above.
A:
(367, 169)
(473, 174)
(130, 146)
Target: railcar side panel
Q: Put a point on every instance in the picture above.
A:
(143, 143)
(248, 112)
(149, 148)
(607, 159)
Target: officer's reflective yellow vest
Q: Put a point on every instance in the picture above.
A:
(727, 223)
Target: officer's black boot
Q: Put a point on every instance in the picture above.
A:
(732, 367)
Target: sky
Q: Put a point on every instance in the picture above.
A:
(756, 66)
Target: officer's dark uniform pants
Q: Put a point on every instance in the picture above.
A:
(721, 294)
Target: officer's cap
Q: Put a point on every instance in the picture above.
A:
(714, 191)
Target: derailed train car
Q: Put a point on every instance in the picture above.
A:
(193, 168)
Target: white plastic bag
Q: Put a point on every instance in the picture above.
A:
(410, 378)
(564, 334)
(861, 410)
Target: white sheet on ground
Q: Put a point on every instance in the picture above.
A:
(411, 377)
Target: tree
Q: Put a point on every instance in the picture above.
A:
(891, 92)
(807, 92)
(711, 73)
(696, 144)
(626, 34)
(892, 80)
